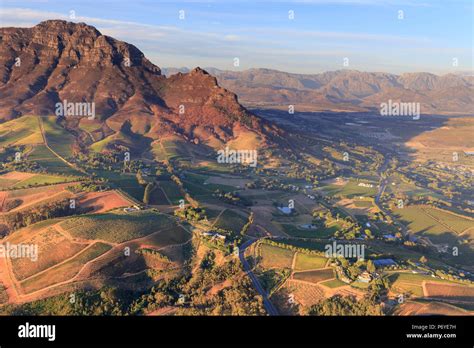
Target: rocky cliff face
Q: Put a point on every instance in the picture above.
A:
(57, 60)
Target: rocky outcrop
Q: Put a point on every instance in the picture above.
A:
(58, 60)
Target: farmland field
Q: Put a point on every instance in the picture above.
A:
(3, 294)
(33, 197)
(413, 283)
(275, 257)
(308, 261)
(169, 236)
(49, 161)
(428, 308)
(157, 197)
(315, 276)
(117, 226)
(333, 283)
(64, 271)
(306, 294)
(440, 226)
(452, 291)
(101, 202)
(126, 182)
(42, 179)
(171, 191)
(319, 232)
(57, 137)
(53, 248)
(351, 189)
(21, 131)
(230, 221)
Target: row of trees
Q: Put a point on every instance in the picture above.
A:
(23, 218)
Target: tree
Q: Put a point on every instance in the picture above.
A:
(423, 259)
(146, 195)
(370, 266)
(368, 233)
(140, 178)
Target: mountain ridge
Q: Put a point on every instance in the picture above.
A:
(58, 60)
(351, 89)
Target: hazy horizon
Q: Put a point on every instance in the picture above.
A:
(459, 73)
(305, 37)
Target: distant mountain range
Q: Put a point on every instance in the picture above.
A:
(57, 61)
(347, 89)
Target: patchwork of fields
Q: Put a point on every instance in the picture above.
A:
(435, 222)
(117, 226)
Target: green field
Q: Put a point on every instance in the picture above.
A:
(171, 236)
(307, 261)
(118, 226)
(176, 150)
(200, 180)
(230, 221)
(410, 190)
(157, 197)
(172, 191)
(408, 283)
(49, 161)
(363, 203)
(315, 276)
(42, 179)
(321, 232)
(21, 131)
(275, 257)
(351, 189)
(333, 283)
(439, 226)
(126, 182)
(412, 283)
(59, 139)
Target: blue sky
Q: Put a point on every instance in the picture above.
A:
(369, 33)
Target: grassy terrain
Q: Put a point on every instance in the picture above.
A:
(157, 197)
(172, 191)
(42, 179)
(117, 226)
(21, 131)
(315, 276)
(412, 283)
(351, 189)
(322, 232)
(230, 221)
(407, 283)
(434, 223)
(274, 257)
(333, 283)
(306, 261)
(59, 139)
(46, 159)
(410, 190)
(170, 236)
(126, 182)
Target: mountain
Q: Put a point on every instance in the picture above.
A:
(348, 89)
(58, 61)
